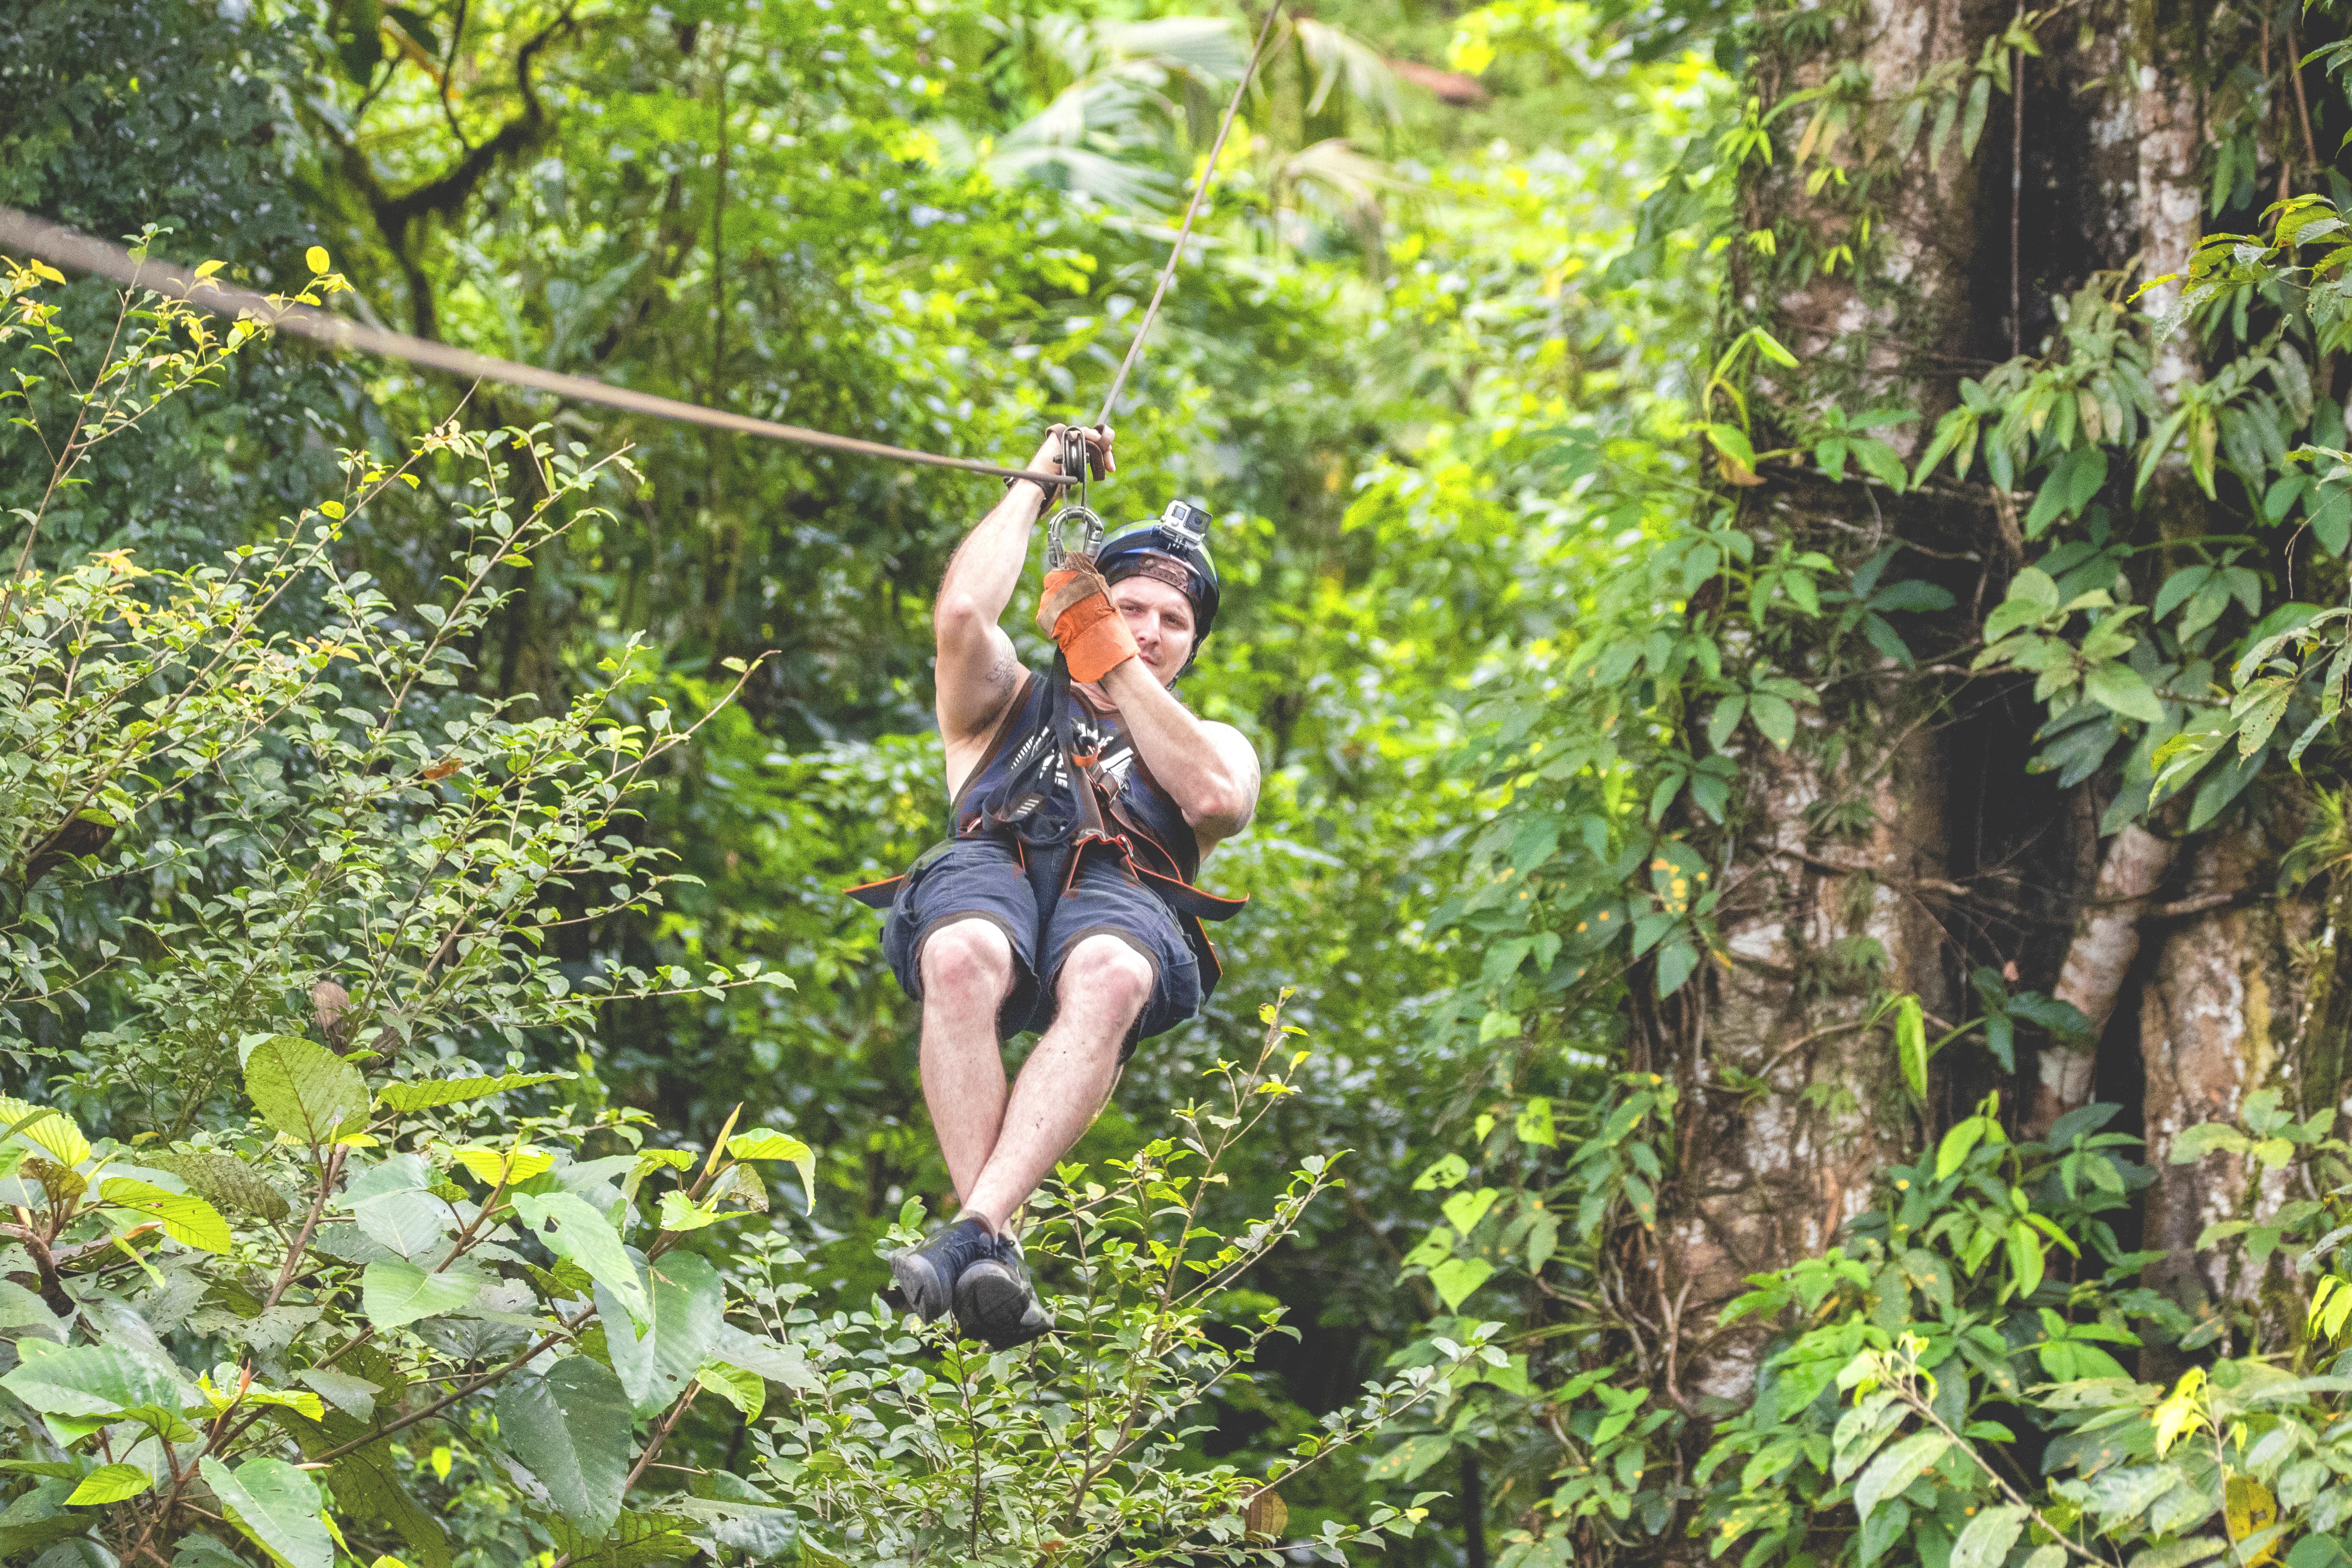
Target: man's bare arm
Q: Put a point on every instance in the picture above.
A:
(1209, 769)
(978, 670)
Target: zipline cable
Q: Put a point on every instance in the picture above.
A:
(69, 247)
(64, 247)
(1191, 210)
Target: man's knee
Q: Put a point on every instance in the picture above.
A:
(1106, 968)
(968, 961)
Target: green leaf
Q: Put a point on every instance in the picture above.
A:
(569, 1227)
(1408, 1459)
(571, 1429)
(1465, 1209)
(1897, 1468)
(344, 1392)
(1771, 349)
(680, 1212)
(395, 1292)
(1724, 721)
(1455, 1279)
(2193, 1143)
(45, 1127)
(93, 1380)
(186, 1218)
(1953, 1152)
(2120, 688)
(1447, 1171)
(110, 1483)
(2025, 1258)
(305, 1090)
(1972, 118)
(689, 1302)
(1676, 959)
(277, 1505)
(1911, 1043)
(1775, 719)
(425, 1094)
(1985, 1541)
(746, 1391)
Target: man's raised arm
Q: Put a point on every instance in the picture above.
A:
(977, 667)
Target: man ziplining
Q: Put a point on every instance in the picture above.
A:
(1084, 800)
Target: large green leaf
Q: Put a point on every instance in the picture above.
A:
(185, 1218)
(93, 1380)
(278, 1506)
(1911, 1043)
(396, 1206)
(305, 1090)
(394, 1293)
(571, 1429)
(1985, 1541)
(687, 1304)
(569, 1227)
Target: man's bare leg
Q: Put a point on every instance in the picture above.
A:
(1104, 984)
(967, 974)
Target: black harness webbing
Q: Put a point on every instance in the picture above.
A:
(1052, 829)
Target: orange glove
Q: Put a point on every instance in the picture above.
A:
(1076, 610)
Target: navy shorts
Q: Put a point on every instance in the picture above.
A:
(982, 879)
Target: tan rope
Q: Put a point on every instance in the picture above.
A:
(23, 233)
(54, 243)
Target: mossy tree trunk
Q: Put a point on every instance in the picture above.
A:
(1903, 842)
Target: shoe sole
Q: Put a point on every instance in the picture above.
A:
(990, 1295)
(919, 1286)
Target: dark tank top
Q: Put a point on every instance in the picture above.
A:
(1024, 737)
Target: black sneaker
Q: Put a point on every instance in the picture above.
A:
(994, 1300)
(925, 1276)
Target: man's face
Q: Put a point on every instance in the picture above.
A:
(1160, 618)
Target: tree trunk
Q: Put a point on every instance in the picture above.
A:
(1902, 843)
(1794, 1097)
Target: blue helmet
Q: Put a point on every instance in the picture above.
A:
(1173, 550)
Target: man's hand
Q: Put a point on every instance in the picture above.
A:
(978, 673)
(1049, 452)
(1075, 611)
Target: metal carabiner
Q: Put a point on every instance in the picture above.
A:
(1074, 463)
(1054, 553)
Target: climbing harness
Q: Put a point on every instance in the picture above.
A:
(22, 233)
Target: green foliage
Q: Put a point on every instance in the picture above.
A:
(322, 1242)
(1077, 1447)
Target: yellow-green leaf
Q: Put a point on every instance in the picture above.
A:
(185, 1218)
(109, 1483)
(46, 1127)
(762, 1144)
